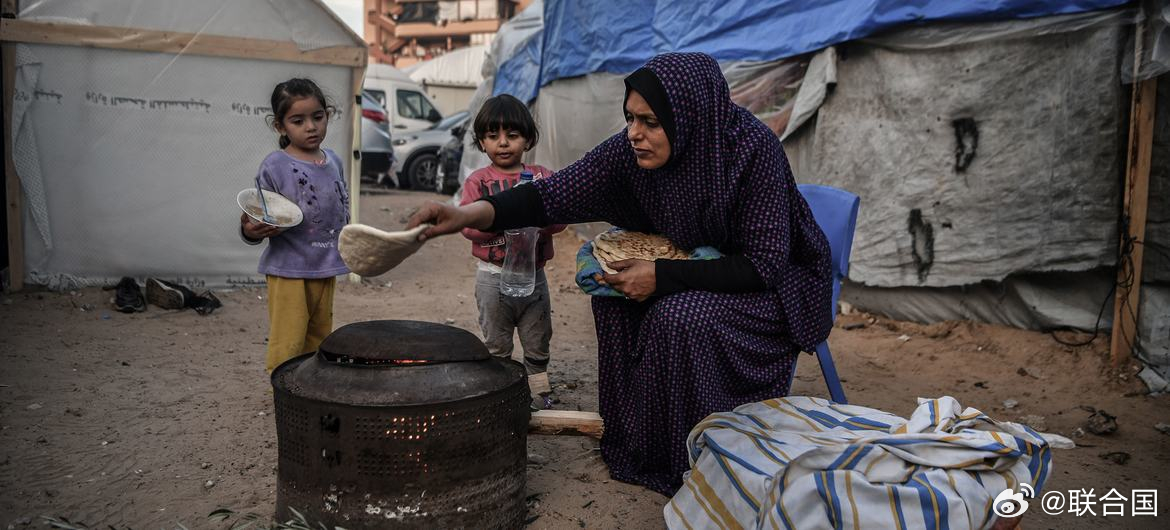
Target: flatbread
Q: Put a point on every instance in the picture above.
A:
(638, 245)
(368, 251)
(603, 260)
(609, 247)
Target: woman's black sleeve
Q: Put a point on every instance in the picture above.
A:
(729, 274)
(522, 206)
(518, 207)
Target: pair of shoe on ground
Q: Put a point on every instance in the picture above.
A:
(129, 297)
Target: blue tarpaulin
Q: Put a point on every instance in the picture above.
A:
(520, 74)
(586, 36)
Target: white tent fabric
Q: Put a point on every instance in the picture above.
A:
(512, 35)
(139, 155)
(459, 68)
(305, 22)
(28, 70)
(568, 135)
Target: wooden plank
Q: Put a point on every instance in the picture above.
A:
(570, 422)
(423, 29)
(176, 43)
(1137, 187)
(13, 205)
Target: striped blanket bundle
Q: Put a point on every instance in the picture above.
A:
(807, 463)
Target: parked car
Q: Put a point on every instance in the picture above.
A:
(377, 146)
(409, 107)
(417, 152)
(450, 158)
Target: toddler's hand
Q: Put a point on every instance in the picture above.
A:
(255, 230)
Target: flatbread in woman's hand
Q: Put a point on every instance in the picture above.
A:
(603, 259)
(618, 245)
(369, 252)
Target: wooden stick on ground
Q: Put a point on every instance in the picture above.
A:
(570, 422)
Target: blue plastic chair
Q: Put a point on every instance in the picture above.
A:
(836, 212)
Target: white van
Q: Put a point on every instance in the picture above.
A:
(409, 107)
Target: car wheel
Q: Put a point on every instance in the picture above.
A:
(422, 170)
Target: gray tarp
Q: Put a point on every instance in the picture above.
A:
(990, 180)
(974, 162)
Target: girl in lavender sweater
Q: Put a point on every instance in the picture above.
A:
(301, 263)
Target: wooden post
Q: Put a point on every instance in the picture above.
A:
(13, 202)
(353, 160)
(1136, 192)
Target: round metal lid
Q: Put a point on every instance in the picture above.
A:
(397, 363)
(380, 342)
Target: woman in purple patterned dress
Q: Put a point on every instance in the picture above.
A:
(691, 337)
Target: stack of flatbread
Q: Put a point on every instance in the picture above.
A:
(609, 247)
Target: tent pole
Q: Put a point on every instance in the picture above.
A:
(1134, 202)
(354, 161)
(12, 206)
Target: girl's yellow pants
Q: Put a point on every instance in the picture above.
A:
(300, 316)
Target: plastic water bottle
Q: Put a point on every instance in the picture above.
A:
(519, 275)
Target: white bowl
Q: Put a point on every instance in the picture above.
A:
(285, 212)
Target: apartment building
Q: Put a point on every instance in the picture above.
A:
(404, 32)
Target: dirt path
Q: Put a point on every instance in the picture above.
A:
(158, 418)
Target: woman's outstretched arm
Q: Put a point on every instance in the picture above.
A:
(449, 219)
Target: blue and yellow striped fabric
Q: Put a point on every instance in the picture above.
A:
(807, 463)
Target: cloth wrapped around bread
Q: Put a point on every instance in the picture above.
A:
(618, 245)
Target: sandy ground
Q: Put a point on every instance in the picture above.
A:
(155, 419)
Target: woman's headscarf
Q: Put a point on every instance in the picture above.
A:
(727, 185)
